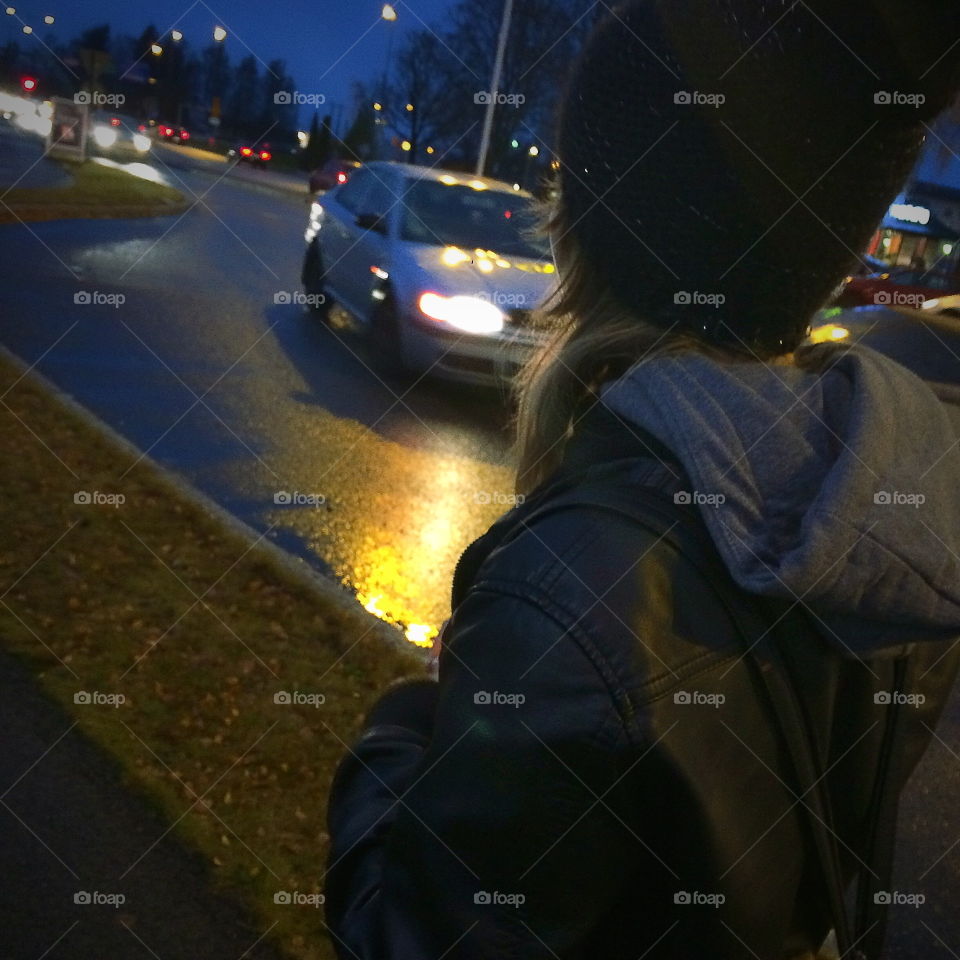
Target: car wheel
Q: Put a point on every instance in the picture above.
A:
(312, 279)
(385, 337)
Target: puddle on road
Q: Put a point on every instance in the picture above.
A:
(388, 520)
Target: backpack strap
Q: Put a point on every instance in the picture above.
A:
(648, 501)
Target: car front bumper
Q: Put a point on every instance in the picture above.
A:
(464, 357)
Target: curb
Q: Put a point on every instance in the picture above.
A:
(327, 590)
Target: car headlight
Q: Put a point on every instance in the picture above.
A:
(104, 136)
(470, 314)
(141, 143)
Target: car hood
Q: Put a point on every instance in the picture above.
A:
(513, 281)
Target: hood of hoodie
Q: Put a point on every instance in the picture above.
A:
(838, 487)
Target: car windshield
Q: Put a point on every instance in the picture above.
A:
(455, 215)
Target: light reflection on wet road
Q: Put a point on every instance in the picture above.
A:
(248, 398)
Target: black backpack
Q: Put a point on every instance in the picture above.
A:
(651, 502)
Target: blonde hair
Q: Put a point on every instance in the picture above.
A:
(594, 340)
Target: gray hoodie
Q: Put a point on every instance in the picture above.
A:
(839, 488)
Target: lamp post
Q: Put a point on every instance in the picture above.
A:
(494, 86)
(219, 36)
(389, 14)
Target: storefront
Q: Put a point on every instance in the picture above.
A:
(922, 229)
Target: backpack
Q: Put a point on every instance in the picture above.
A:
(657, 502)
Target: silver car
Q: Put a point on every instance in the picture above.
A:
(437, 267)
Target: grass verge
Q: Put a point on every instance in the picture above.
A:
(142, 593)
(97, 191)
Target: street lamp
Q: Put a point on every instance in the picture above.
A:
(176, 36)
(494, 86)
(534, 151)
(156, 49)
(378, 106)
(11, 11)
(406, 145)
(219, 34)
(48, 20)
(409, 108)
(27, 29)
(388, 12)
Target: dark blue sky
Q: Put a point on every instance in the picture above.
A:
(326, 43)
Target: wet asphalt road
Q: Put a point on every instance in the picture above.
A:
(188, 354)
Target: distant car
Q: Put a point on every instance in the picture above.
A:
(897, 287)
(172, 134)
(331, 174)
(258, 156)
(437, 268)
(117, 135)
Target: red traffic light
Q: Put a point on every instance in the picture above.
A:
(28, 83)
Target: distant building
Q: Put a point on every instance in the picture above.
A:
(922, 226)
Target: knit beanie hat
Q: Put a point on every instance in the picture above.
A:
(723, 163)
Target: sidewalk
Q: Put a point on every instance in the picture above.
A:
(70, 825)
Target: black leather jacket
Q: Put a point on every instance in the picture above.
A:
(598, 773)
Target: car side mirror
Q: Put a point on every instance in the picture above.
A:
(372, 221)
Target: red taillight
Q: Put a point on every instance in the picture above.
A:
(341, 177)
(141, 129)
(115, 122)
(29, 84)
(246, 151)
(265, 155)
(184, 135)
